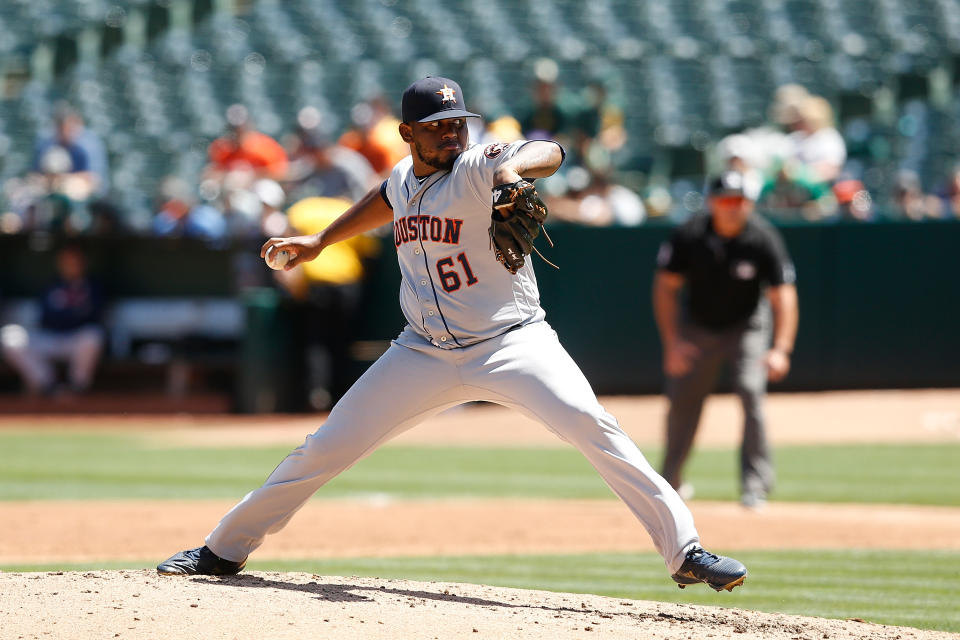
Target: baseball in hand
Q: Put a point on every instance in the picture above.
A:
(276, 260)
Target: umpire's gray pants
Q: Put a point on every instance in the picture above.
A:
(743, 348)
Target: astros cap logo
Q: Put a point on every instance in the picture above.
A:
(446, 94)
(433, 98)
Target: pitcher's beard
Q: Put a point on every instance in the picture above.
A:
(435, 161)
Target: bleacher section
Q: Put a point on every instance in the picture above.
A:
(153, 77)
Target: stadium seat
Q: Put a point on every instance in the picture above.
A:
(687, 71)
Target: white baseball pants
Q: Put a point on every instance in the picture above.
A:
(526, 369)
(33, 352)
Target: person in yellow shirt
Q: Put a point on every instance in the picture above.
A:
(375, 135)
(326, 294)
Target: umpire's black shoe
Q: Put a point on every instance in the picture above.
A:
(717, 572)
(199, 561)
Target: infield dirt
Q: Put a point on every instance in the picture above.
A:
(144, 533)
(137, 605)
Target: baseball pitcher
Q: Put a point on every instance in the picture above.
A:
(465, 219)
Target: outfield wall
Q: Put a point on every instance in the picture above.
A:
(879, 303)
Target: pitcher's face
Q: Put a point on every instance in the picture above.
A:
(437, 144)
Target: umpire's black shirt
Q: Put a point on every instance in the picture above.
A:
(726, 276)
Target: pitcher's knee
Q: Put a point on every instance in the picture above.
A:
(330, 446)
(585, 425)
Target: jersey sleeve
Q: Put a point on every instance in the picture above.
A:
(674, 253)
(781, 270)
(383, 193)
(481, 161)
(391, 188)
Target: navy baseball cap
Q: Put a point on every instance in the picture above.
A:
(730, 183)
(433, 98)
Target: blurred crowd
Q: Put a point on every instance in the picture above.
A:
(254, 186)
(797, 165)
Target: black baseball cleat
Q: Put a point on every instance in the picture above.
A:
(199, 561)
(718, 572)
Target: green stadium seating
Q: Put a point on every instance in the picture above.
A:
(687, 72)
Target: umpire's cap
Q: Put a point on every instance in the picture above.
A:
(433, 98)
(731, 183)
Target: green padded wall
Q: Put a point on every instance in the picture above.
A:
(879, 303)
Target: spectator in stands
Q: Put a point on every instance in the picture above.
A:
(245, 151)
(252, 215)
(599, 131)
(785, 108)
(375, 135)
(548, 116)
(58, 185)
(273, 197)
(101, 215)
(326, 293)
(818, 151)
(247, 208)
(951, 195)
(87, 151)
(321, 167)
(545, 118)
(595, 105)
(814, 158)
(503, 129)
(594, 199)
(911, 201)
(738, 152)
(766, 148)
(180, 213)
(68, 175)
(853, 199)
(70, 330)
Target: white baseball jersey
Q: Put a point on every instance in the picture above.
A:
(454, 292)
(460, 346)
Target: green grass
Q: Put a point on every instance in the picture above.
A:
(71, 465)
(926, 474)
(909, 588)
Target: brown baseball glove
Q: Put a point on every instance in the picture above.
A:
(517, 219)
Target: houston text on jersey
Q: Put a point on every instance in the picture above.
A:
(413, 228)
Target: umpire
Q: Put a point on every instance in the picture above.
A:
(729, 264)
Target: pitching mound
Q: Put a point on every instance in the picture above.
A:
(140, 604)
